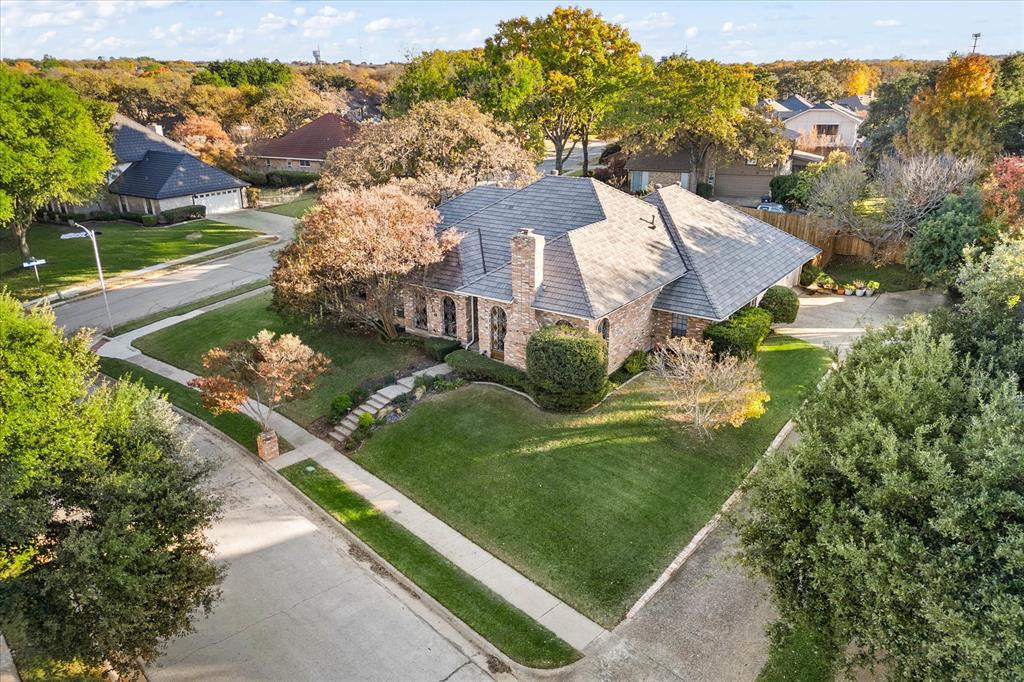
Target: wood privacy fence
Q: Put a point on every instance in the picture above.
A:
(821, 233)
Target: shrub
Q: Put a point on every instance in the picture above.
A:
(636, 362)
(366, 421)
(784, 188)
(742, 333)
(442, 384)
(149, 220)
(133, 217)
(252, 197)
(781, 303)
(254, 177)
(438, 348)
(937, 248)
(476, 367)
(340, 406)
(286, 178)
(359, 395)
(810, 274)
(102, 215)
(183, 213)
(567, 367)
(704, 190)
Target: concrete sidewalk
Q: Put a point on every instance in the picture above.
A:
(570, 625)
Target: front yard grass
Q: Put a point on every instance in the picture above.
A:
(294, 208)
(505, 626)
(355, 357)
(591, 506)
(892, 276)
(123, 247)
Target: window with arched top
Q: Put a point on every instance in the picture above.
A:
(604, 329)
(499, 325)
(563, 323)
(449, 326)
(420, 318)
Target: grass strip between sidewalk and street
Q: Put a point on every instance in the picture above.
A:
(188, 307)
(238, 427)
(515, 633)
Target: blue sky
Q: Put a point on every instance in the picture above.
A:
(382, 31)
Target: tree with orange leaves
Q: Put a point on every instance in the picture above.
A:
(206, 137)
(958, 115)
(353, 253)
(271, 370)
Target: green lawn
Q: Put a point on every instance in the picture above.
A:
(799, 654)
(123, 247)
(892, 276)
(591, 506)
(238, 427)
(505, 626)
(355, 358)
(295, 208)
(188, 307)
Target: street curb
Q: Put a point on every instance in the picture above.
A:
(152, 272)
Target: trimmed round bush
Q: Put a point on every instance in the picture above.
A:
(741, 334)
(636, 362)
(568, 367)
(781, 303)
(810, 274)
(340, 406)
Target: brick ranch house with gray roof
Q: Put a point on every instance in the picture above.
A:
(577, 251)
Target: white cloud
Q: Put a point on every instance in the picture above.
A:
(652, 22)
(299, 11)
(389, 24)
(105, 8)
(691, 31)
(108, 43)
(219, 13)
(471, 36)
(44, 38)
(730, 27)
(272, 22)
(233, 35)
(886, 23)
(326, 18)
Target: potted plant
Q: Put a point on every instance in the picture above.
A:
(873, 286)
(848, 288)
(860, 286)
(841, 290)
(271, 370)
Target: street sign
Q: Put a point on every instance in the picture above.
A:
(32, 262)
(75, 235)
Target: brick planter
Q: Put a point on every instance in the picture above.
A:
(267, 446)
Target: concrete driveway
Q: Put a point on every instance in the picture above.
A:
(296, 606)
(837, 321)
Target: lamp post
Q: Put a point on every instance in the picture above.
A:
(99, 268)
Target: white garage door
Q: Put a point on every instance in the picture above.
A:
(220, 202)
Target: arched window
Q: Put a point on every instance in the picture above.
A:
(604, 328)
(563, 323)
(449, 325)
(498, 326)
(420, 319)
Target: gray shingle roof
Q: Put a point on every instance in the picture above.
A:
(162, 174)
(132, 140)
(603, 247)
(733, 256)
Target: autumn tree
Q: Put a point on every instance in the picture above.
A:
(280, 108)
(53, 147)
(226, 105)
(914, 186)
(272, 371)
(354, 252)
(207, 138)
(1004, 192)
(857, 78)
(149, 100)
(834, 193)
(1009, 95)
(586, 65)
(706, 392)
(437, 75)
(888, 116)
(103, 505)
(702, 107)
(816, 84)
(958, 115)
(437, 150)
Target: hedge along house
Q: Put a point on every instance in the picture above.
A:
(576, 251)
(306, 147)
(152, 174)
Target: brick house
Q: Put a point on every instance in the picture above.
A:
(576, 251)
(306, 147)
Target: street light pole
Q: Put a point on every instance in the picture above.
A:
(99, 268)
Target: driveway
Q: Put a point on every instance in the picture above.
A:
(185, 285)
(837, 321)
(296, 605)
(575, 160)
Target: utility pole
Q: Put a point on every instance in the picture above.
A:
(974, 47)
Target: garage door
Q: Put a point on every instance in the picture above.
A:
(220, 202)
(740, 185)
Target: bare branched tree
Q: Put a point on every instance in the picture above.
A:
(708, 392)
(914, 186)
(834, 194)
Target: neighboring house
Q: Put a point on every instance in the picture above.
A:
(858, 104)
(821, 127)
(153, 174)
(306, 147)
(566, 250)
(736, 182)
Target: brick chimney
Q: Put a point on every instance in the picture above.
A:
(527, 279)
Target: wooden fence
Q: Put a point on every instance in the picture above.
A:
(821, 233)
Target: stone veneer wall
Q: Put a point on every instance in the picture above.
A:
(435, 318)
